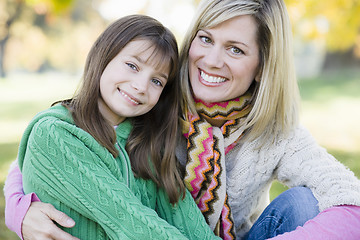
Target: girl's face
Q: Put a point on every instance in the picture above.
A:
(224, 60)
(131, 85)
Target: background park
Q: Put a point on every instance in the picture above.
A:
(44, 43)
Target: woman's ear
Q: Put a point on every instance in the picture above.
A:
(258, 73)
(258, 77)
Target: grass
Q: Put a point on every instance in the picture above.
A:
(331, 111)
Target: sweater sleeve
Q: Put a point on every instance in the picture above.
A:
(70, 168)
(336, 223)
(16, 202)
(185, 216)
(305, 163)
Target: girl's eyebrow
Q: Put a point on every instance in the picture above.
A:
(144, 62)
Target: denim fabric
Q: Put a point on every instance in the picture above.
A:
(289, 210)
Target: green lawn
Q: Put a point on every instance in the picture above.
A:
(331, 110)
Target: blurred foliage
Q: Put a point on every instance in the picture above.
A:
(39, 35)
(336, 20)
(52, 7)
(44, 34)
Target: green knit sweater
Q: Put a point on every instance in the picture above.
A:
(68, 168)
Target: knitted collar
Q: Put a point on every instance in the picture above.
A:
(205, 175)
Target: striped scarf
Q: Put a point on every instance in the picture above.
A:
(205, 175)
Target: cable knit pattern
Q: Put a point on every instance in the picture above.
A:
(295, 160)
(65, 166)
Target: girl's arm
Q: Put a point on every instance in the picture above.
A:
(185, 215)
(71, 169)
(28, 217)
(336, 223)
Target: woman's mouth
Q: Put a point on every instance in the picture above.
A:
(211, 79)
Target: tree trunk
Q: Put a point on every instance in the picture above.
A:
(2, 54)
(13, 17)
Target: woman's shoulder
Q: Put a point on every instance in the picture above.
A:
(296, 138)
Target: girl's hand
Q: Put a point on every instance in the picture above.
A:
(38, 223)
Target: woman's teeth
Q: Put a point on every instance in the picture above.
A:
(212, 79)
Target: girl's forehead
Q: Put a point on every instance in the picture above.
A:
(148, 52)
(153, 54)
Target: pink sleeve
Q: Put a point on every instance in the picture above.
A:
(16, 203)
(336, 223)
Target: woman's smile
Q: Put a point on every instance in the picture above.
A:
(212, 79)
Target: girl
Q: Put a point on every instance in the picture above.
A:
(106, 157)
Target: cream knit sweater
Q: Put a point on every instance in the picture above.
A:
(296, 160)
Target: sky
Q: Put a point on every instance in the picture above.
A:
(174, 14)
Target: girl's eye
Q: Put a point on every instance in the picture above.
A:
(236, 50)
(157, 82)
(132, 66)
(205, 39)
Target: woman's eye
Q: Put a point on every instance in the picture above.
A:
(132, 66)
(236, 50)
(157, 82)
(205, 39)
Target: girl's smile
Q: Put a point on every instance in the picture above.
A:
(132, 82)
(129, 98)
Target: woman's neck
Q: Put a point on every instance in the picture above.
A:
(215, 122)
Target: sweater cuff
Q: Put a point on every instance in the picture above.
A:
(16, 203)
(335, 223)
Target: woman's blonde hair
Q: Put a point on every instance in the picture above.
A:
(276, 94)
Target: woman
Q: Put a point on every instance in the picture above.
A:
(241, 131)
(241, 127)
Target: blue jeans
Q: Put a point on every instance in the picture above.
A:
(289, 210)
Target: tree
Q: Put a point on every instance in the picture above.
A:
(12, 11)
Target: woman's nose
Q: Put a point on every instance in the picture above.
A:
(213, 57)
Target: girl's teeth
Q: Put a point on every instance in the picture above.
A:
(127, 96)
(212, 79)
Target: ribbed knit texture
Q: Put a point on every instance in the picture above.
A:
(295, 160)
(66, 167)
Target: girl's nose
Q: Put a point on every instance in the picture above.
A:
(140, 83)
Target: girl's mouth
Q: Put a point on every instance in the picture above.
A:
(129, 97)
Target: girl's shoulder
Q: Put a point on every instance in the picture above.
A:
(57, 111)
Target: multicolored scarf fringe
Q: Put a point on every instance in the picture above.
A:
(205, 175)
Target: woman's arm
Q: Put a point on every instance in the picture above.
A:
(69, 168)
(336, 223)
(28, 217)
(305, 163)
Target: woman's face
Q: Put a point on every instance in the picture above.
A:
(131, 84)
(224, 60)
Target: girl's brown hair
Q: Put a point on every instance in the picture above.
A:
(152, 142)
